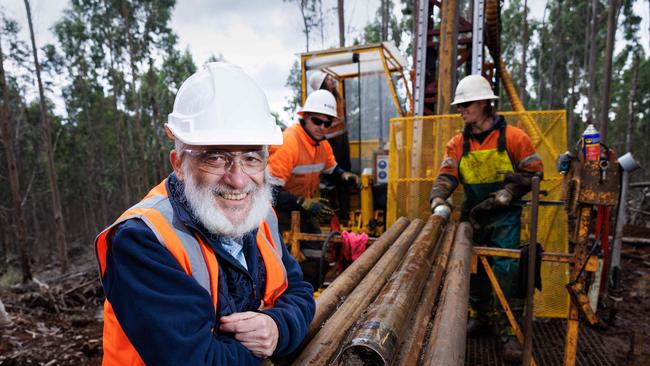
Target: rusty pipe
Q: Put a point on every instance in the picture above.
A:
(326, 342)
(530, 281)
(378, 336)
(446, 345)
(412, 346)
(330, 298)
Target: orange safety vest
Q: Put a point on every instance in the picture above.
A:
(195, 257)
(297, 163)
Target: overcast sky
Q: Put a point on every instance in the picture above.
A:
(262, 36)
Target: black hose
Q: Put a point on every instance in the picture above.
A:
(321, 267)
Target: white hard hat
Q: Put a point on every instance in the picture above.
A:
(320, 101)
(221, 105)
(473, 87)
(316, 79)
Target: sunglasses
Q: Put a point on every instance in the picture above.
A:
(325, 122)
(465, 104)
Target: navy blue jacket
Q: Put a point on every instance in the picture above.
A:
(169, 318)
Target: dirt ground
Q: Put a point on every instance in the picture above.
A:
(629, 337)
(60, 322)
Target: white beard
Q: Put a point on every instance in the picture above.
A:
(201, 203)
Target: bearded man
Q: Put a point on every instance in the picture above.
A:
(196, 273)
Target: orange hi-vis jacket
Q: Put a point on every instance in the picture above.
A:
(195, 257)
(297, 163)
(479, 166)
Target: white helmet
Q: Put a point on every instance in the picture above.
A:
(320, 101)
(473, 87)
(222, 105)
(316, 79)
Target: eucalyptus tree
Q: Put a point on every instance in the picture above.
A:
(90, 111)
(9, 29)
(57, 212)
(123, 71)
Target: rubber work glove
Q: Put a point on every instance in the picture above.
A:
(437, 201)
(319, 207)
(502, 198)
(482, 208)
(352, 178)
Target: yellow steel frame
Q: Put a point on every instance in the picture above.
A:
(504, 304)
(379, 49)
(293, 237)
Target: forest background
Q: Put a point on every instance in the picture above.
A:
(67, 172)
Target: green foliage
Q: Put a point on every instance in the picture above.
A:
(120, 68)
(294, 83)
(558, 65)
(278, 120)
(372, 32)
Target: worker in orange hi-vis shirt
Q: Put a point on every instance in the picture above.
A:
(337, 136)
(296, 165)
(495, 162)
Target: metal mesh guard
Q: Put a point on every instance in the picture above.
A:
(417, 147)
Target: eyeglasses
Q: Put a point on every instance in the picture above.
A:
(465, 104)
(219, 162)
(325, 122)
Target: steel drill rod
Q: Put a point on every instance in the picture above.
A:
(412, 346)
(330, 298)
(446, 345)
(326, 342)
(530, 289)
(378, 335)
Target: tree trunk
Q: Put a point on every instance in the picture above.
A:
(557, 31)
(612, 17)
(573, 100)
(593, 47)
(540, 66)
(385, 17)
(303, 4)
(20, 228)
(321, 24)
(524, 47)
(141, 162)
(630, 108)
(585, 62)
(341, 12)
(59, 226)
(122, 133)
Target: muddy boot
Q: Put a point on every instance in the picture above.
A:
(512, 351)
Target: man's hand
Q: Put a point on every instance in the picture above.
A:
(437, 201)
(256, 331)
(352, 178)
(316, 206)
